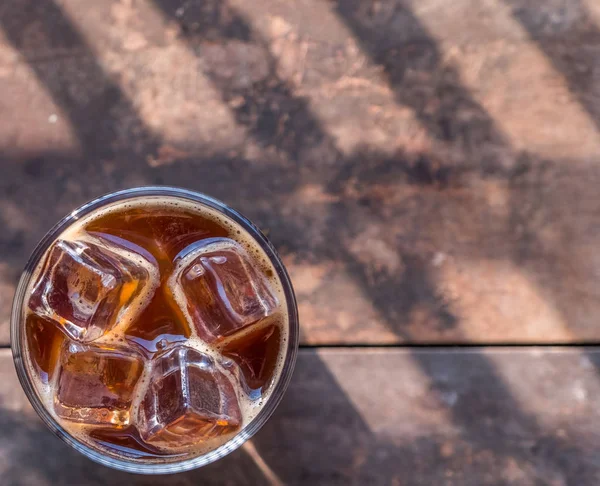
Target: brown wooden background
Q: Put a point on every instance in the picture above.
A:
(429, 172)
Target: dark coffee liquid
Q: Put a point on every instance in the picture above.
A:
(44, 341)
(163, 231)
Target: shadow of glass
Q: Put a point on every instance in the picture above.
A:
(226, 178)
(276, 118)
(34, 457)
(316, 436)
(396, 296)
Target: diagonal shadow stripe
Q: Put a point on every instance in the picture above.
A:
(99, 112)
(570, 40)
(394, 38)
(36, 457)
(49, 183)
(262, 102)
(381, 36)
(416, 282)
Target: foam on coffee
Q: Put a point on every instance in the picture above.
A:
(249, 408)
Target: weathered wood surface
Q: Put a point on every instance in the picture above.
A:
(373, 417)
(428, 170)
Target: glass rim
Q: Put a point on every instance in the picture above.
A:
(123, 464)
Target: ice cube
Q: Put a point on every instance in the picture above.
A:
(187, 401)
(256, 354)
(222, 289)
(86, 286)
(96, 383)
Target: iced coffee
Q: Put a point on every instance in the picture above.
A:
(155, 328)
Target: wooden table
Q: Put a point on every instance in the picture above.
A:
(429, 172)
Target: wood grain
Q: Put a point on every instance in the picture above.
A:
(371, 417)
(428, 174)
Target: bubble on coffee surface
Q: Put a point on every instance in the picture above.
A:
(249, 404)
